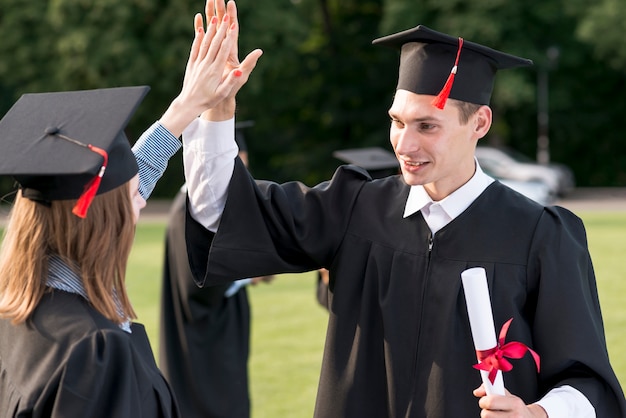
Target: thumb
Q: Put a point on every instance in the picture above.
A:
(480, 391)
(248, 64)
(239, 76)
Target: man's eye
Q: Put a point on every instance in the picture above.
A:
(397, 123)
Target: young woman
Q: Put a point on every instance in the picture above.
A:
(68, 346)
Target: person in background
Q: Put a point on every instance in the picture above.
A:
(378, 163)
(68, 344)
(399, 342)
(204, 340)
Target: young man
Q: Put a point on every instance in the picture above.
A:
(399, 341)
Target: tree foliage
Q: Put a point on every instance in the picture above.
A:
(321, 85)
(53, 45)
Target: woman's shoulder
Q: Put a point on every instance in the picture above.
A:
(70, 313)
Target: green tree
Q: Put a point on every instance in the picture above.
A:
(584, 81)
(321, 85)
(83, 44)
(602, 25)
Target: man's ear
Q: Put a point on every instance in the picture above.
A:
(482, 121)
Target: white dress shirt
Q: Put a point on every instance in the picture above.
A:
(439, 214)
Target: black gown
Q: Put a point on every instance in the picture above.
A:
(70, 361)
(399, 342)
(204, 336)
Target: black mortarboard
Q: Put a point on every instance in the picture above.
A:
(239, 136)
(69, 145)
(441, 65)
(377, 161)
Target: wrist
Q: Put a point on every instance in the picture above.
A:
(537, 411)
(225, 110)
(177, 117)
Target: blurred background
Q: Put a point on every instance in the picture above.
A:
(321, 86)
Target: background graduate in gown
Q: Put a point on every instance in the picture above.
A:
(204, 339)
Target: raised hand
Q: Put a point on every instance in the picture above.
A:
(210, 76)
(217, 8)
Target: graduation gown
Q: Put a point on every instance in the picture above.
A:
(204, 336)
(68, 360)
(399, 342)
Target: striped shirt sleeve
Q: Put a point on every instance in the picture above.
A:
(153, 150)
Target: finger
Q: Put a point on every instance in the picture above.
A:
(487, 402)
(480, 391)
(231, 85)
(231, 9)
(232, 12)
(198, 37)
(500, 403)
(248, 64)
(239, 76)
(220, 9)
(198, 23)
(243, 71)
(219, 51)
(220, 42)
(209, 9)
(205, 47)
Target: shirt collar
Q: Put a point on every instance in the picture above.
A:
(63, 277)
(453, 204)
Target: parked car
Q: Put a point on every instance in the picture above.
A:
(535, 190)
(507, 164)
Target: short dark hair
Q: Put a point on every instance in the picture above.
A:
(466, 110)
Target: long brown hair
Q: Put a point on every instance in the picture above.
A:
(98, 246)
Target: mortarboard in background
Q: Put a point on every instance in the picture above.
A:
(427, 58)
(54, 144)
(377, 161)
(239, 136)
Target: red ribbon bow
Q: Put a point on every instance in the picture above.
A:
(494, 359)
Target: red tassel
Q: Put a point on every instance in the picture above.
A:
(83, 203)
(442, 97)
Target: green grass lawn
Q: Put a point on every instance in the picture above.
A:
(606, 233)
(287, 336)
(288, 327)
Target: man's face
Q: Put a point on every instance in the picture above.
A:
(433, 147)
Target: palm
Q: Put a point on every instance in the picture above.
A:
(232, 61)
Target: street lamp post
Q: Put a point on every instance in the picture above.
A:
(543, 138)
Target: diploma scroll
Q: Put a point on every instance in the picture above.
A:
(481, 321)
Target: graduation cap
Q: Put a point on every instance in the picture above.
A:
(69, 145)
(377, 161)
(441, 65)
(239, 136)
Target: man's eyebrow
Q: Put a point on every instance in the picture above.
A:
(393, 115)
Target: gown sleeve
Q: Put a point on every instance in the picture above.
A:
(569, 334)
(267, 228)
